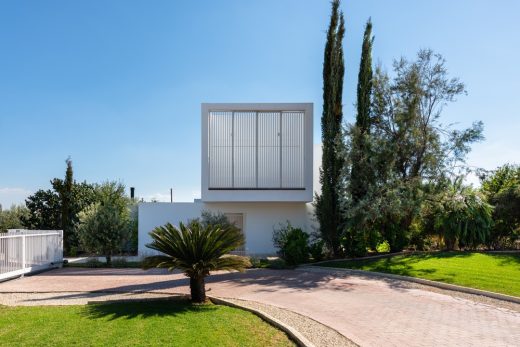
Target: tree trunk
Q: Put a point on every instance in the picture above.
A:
(198, 289)
(109, 260)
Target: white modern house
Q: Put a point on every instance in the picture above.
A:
(257, 169)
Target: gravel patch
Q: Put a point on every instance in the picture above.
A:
(75, 298)
(317, 333)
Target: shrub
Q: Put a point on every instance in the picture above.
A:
(383, 247)
(277, 264)
(463, 217)
(292, 244)
(94, 263)
(119, 262)
(316, 250)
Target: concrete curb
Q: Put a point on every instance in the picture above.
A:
(293, 334)
(440, 285)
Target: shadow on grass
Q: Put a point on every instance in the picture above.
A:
(144, 309)
(508, 259)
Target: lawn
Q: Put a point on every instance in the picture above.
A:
(494, 272)
(153, 323)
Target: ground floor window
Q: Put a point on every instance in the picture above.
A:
(238, 220)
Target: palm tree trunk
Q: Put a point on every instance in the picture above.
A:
(198, 289)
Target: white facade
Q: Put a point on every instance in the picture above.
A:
(259, 220)
(257, 166)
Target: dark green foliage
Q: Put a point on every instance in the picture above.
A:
(45, 209)
(316, 250)
(196, 250)
(328, 204)
(263, 263)
(362, 176)
(362, 171)
(94, 263)
(292, 244)
(64, 188)
(502, 190)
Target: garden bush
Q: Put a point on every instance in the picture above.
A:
(292, 244)
(94, 263)
(316, 250)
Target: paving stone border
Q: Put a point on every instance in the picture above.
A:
(441, 285)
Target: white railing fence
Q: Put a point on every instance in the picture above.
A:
(25, 251)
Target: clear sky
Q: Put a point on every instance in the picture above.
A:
(117, 85)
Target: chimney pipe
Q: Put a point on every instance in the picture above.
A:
(132, 193)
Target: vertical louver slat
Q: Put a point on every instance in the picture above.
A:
(220, 140)
(256, 149)
(244, 161)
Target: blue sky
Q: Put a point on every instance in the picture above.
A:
(117, 85)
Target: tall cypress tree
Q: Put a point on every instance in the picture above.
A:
(362, 174)
(64, 189)
(327, 204)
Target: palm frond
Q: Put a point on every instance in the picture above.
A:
(196, 249)
(160, 261)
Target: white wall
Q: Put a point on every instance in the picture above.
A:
(155, 214)
(259, 220)
(316, 168)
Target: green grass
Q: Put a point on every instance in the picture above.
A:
(152, 323)
(493, 272)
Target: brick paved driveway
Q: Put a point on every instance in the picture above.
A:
(369, 311)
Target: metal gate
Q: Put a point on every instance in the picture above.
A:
(25, 251)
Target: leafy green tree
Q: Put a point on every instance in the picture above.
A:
(105, 226)
(412, 148)
(12, 218)
(502, 190)
(44, 211)
(361, 168)
(504, 177)
(196, 250)
(328, 204)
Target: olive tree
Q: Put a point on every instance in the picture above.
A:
(104, 226)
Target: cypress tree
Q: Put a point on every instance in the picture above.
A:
(66, 208)
(361, 175)
(328, 211)
(361, 172)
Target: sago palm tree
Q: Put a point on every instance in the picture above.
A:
(196, 249)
